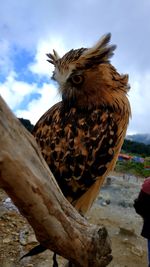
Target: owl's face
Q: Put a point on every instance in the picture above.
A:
(80, 73)
(69, 75)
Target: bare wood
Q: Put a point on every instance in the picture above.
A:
(26, 178)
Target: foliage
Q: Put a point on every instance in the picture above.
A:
(27, 124)
(134, 168)
(136, 148)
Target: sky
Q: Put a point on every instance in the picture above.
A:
(29, 29)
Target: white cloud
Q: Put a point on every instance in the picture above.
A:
(37, 107)
(14, 91)
(40, 65)
(139, 97)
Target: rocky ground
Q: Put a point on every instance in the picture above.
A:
(113, 208)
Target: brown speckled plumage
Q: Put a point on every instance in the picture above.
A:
(81, 136)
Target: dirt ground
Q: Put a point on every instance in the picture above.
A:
(113, 208)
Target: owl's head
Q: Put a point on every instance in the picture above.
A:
(85, 74)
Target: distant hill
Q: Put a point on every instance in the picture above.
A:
(136, 148)
(141, 138)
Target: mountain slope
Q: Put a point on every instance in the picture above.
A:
(141, 138)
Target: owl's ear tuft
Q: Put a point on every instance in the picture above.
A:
(52, 58)
(99, 53)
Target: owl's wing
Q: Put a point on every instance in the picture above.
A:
(79, 147)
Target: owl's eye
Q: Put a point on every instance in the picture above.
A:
(77, 79)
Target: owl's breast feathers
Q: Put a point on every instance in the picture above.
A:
(80, 147)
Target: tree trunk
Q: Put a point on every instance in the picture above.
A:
(26, 178)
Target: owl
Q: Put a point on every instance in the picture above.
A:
(81, 136)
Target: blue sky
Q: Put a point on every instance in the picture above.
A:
(30, 29)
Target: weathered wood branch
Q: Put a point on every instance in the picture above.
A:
(26, 178)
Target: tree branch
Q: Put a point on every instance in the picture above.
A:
(26, 178)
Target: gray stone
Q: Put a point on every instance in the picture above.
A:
(126, 231)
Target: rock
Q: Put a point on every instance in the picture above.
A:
(15, 233)
(103, 204)
(125, 241)
(104, 199)
(9, 205)
(6, 240)
(23, 237)
(125, 204)
(108, 181)
(32, 239)
(8, 264)
(137, 250)
(108, 201)
(26, 237)
(126, 231)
